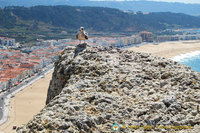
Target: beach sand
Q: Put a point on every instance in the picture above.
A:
(169, 49)
(26, 104)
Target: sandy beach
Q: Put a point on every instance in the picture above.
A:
(169, 49)
(27, 103)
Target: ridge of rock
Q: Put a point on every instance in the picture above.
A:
(93, 88)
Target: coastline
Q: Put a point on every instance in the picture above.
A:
(169, 49)
(178, 58)
(25, 102)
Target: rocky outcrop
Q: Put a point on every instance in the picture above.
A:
(94, 88)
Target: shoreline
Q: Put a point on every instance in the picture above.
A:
(169, 49)
(186, 55)
(8, 115)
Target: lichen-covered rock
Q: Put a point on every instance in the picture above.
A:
(93, 88)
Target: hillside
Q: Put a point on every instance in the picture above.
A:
(93, 88)
(103, 19)
(25, 31)
(48, 21)
(139, 5)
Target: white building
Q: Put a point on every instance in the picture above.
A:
(7, 41)
(3, 85)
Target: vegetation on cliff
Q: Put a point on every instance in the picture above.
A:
(49, 21)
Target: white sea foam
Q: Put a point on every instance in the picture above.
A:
(187, 56)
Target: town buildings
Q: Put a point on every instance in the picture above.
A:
(146, 36)
(7, 41)
(15, 65)
(118, 42)
(164, 38)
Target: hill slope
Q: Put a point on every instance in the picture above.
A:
(93, 88)
(103, 19)
(141, 5)
(48, 22)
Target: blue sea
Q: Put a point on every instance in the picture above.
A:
(190, 59)
(191, 30)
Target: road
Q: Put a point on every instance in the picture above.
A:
(13, 90)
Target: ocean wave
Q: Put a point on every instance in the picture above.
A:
(186, 57)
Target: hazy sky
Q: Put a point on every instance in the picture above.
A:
(185, 1)
(182, 1)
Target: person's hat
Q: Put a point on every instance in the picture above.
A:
(81, 28)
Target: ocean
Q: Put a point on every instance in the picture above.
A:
(191, 30)
(190, 59)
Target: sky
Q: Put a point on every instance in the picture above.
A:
(182, 1)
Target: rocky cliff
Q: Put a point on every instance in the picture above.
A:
(94, 88)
